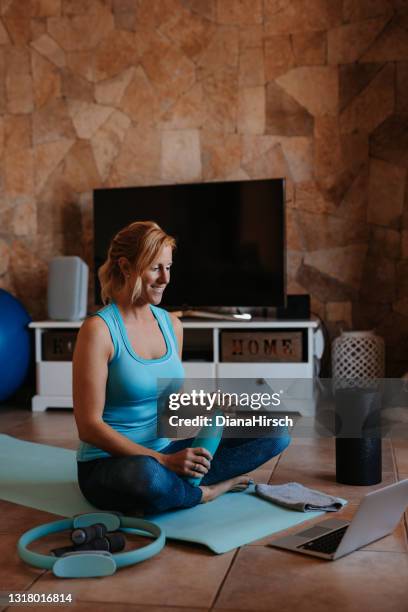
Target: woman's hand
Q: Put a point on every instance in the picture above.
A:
(193, 462)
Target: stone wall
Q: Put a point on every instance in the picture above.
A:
(132, 92)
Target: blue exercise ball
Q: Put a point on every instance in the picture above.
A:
(15, 345)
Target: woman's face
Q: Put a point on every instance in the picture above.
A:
(157, 276)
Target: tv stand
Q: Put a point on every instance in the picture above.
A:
(202, 359)
(206, 314)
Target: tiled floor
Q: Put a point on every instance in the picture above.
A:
(254, 577)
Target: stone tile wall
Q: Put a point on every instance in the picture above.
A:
(133, 92)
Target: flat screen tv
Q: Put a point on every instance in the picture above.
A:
(230, 239)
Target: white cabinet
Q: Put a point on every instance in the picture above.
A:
(53, 377)
(202, 350)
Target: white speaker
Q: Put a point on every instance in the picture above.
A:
(67, 289)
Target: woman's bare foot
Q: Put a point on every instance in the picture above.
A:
(239, 483)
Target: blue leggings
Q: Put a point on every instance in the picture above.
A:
(140, 482)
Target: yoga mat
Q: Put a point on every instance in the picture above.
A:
(45, 477)
(231, 520)
(40, 476)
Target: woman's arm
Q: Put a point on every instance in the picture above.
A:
(93, 350)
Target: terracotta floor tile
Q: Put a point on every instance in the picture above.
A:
(388, 464)
(307, 455)
(401, 454)
(321, 441)
(260, 475)
(10, 417)
(264, 471)
(263, 578)
(272, 463)
(181, 575)
(48, 424)
(17, 519)
(318, 455)
(15, 575)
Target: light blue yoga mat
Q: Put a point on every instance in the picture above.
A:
(231, 520)
(40, 476)
(45, 477)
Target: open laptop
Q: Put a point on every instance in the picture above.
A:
(377, 516)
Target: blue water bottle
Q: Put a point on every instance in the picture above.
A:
(208, 437)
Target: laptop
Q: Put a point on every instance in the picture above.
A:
(377, 516)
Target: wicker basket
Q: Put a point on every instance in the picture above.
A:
(358, 359)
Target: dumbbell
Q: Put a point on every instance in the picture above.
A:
(84, 535)
(111, 542)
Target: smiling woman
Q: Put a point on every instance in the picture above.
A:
(140, 255)
(120, 354)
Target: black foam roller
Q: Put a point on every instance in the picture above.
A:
(358, 458)
(358, 461)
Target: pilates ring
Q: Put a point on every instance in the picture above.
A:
(91, 563)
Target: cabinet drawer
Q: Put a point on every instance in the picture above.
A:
(261, 346)
(58, 345)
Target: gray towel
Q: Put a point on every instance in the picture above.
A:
(297, 497)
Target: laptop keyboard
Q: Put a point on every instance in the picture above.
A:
(327, 543)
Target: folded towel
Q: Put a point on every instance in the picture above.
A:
(295, 496)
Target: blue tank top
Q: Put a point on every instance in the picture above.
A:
(132, 390)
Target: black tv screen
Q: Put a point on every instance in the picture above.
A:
(230, 238)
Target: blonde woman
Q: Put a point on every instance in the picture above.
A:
(120, 353)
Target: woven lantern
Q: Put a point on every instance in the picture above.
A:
(358, 359)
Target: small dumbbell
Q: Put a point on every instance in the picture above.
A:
(111, 542)
(83, 535)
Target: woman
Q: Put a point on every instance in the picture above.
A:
(120, 353)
